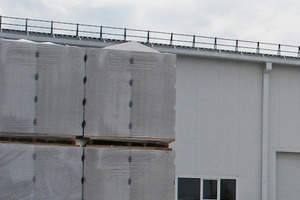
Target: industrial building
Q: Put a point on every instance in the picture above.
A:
(237, 132)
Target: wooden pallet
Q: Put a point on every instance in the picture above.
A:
(38, 139)
(129, 142)
(107, 141)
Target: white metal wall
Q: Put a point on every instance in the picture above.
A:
(218, 121)
(284, 124)
(287, 176)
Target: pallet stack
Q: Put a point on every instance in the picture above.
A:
(82, 123)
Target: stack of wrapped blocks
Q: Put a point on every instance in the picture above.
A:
(83, 123)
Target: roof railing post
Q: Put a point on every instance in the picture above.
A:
(77, 30)
(171, 39)
(257, 48)
(100, 32)
(237, 45)
(215, 44)
(279, 50)
(26, 25)
(124, 34)
(51, 28)
(148, 37)
(194, 41)
(0, 23)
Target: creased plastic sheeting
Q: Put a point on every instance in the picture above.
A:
(16, 172)
(107, 111)
(58, 173)
(153, 95)
(130, 94)
(29, 172)
(60, 90)
(128, 175)
(17, 86)
(106, 173)
(152, 174)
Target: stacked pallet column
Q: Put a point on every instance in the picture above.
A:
(135, 87)
(80, 123)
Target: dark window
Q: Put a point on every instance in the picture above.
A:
(210, 189)
(228, 189)
(188, 189)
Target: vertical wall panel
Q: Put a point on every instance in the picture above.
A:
(228, 120)
(207, 108)
(285, 98)
(60, 90)
(186, 116)
(17, 86)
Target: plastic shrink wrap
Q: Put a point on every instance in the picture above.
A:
(128, 174)
(40, 172)
(17, 86)
(107, 93)
(41, 88)
(122, 91)
(130, 92)
(153, 95)
(60, 90)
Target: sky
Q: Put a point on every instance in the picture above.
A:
(274, 21)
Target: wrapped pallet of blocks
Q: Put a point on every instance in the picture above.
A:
(128, 174)
(82, 123)
(41, 88)
(40, 172)
(130, 92)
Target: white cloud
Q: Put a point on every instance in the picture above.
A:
(270, 20)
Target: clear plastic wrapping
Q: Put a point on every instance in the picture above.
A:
(41, 88)
(107, 93)
(128, 174)
(60, 90)
(17, 86)
(130, 93)
(153, 95)
(40, 172)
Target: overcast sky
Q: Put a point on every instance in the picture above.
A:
(273, 21)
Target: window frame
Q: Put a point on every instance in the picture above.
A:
(202, 178)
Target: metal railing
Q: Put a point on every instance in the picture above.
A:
(56, 28)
